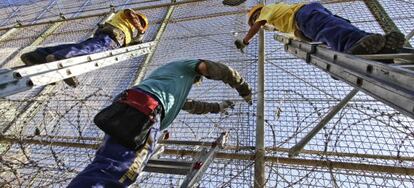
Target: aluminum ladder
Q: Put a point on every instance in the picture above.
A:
(375, 75)
(387, 77)
(26, 78)
(193, 170)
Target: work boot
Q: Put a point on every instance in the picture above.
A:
(72, 81)
(32, 58)
(51, 58)
(233, 2)
(394, 41)
(369, 44)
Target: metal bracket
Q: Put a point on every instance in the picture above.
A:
(294, 151)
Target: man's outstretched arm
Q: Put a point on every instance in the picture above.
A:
(199, 107)
(219, 71)
(254, 29)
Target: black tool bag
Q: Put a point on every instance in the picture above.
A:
(125, 124)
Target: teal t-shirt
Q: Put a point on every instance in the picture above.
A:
(171, 83)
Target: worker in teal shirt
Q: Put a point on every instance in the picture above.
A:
(132, 125)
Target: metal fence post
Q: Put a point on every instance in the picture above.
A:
(259, 167)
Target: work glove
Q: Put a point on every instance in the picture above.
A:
(137, 40)
(224, 105)
(240, 45)
(248, 99)
(245, 91)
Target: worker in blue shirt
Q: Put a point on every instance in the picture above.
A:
(131, 121)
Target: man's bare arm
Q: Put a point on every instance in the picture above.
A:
(254, 29)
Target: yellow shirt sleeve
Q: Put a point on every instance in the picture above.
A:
(281, 16)
(265, 14)
(120, 21)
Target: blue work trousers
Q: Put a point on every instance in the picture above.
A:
(319, 24)
(98, 43)
(114, 164)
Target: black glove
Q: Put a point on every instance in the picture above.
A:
(240, 45)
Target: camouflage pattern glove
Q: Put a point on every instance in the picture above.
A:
(225, 105)
(246, 92)
(198, 107)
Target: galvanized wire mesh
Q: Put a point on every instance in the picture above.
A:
(297, 95)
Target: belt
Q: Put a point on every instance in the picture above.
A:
(141, 101)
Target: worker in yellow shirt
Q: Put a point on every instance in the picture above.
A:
(313, 22)
(125, 28)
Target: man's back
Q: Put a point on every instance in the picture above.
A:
(281, 16)
(171, 84)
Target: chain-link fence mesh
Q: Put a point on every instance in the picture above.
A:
(48, 135)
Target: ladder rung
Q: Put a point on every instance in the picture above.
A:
(186, 142)
(168, 167)
(170, 162)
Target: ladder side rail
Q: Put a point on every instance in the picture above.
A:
(393, 75)
(197, 171)
(203, 162)
(401, 100)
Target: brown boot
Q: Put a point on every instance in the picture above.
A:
(394, 42)
(369, 44)
(32, 58)
(51, 58)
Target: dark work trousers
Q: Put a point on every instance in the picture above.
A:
(319, 24)
(116, 165)
(98, 43)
